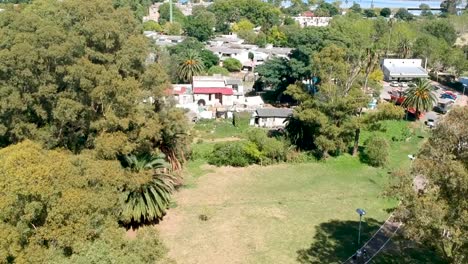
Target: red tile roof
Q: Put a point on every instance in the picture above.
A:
(206, 90)
(181, 91)
(308, 14)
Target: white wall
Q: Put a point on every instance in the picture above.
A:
(228, 100)
(209, 83)
(313, 21)
(402, 62)
(271, 122)
(183, 99)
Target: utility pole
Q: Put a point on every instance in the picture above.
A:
(170, 11)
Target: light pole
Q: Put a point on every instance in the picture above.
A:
(361, 212)
(170, 11)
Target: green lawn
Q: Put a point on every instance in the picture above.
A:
(222, 128)
(287, 213)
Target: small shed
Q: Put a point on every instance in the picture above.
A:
(270, 117)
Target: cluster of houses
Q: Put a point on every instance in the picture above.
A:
(227, 46)
(309, 19)
(209, 97)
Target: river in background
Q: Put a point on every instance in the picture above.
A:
(388, 3)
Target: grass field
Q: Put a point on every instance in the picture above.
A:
(286, 213)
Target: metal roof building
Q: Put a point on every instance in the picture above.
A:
(403, 69)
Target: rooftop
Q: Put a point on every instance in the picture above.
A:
(233, 81)
(224, 50)
(407, 70)
(274, 112)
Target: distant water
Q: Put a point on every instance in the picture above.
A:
(388, 3)
(383, 3)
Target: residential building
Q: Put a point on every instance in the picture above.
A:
(182, 94)
(225, 53)
(212, 90)
(308, 19)
(164, 40)
(270, 117)
(403, 69)
(224, 40)
(237, 87)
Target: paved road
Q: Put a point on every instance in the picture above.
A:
(377, 243)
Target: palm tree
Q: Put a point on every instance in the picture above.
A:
(404, 48)
(189, 65)
(420, 97)
(149, 201)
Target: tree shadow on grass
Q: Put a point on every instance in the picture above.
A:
(335, 241)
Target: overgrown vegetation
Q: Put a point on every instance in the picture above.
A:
(78, 96)
(433, 195)
(376, 151)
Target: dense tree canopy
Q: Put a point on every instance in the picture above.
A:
(258, 12)
(57, 207)
(75, 77)
(433, 197)
(201, 25)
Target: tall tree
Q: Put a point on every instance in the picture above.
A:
(433, 197)
(190, 64)
(201, 25)
(420, 97)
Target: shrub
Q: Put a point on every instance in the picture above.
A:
(271, 149)
(152, 26)
(237, 154)
(218, 70)
(232, 65)
(376, 151)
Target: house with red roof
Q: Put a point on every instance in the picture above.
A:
(216, 91)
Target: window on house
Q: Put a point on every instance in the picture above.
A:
(209, 97)
(235, 87)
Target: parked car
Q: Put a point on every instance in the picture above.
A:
(440, 110)
(430, 123)
(403, 85)
(394, 84)
(411, 84)
(448, 96)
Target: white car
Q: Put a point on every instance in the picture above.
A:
(403, 85)
(394, 84)
(430, 123)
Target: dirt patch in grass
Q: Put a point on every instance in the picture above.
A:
(265, 214)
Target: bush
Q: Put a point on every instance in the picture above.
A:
(232, 65)
(271, 149)
(376, 151)
(152, 26)
(218, 70)
(237, 154)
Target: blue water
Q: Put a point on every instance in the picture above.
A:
(389, 3)
(383, 3)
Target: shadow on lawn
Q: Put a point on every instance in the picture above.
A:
(336, 241)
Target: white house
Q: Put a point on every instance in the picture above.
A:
(182, 94)
(308, 19)
(403, 69)
(270, 117)
(224, 53)
(212, 90)
(237, 87)
(224, 40)
(164, 40)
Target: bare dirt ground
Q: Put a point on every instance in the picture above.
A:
(210, 193)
